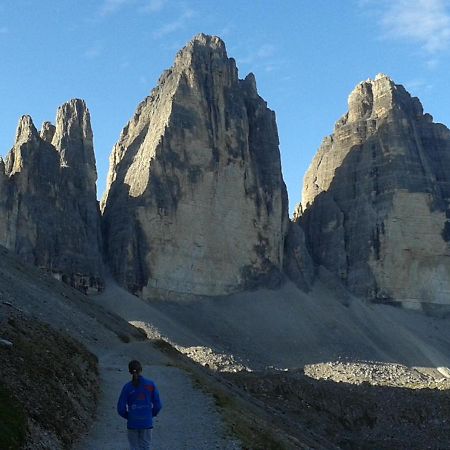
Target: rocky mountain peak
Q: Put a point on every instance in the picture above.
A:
(49, 213)
(205, 56)
(370, 106)
(73, 138)
(73, 111)
(25, 147)
(206, 40)
(376, 201)
(202, 46)
(375, 99)
(26, 131)
(196, 174)
(47, 132)
(249, 83)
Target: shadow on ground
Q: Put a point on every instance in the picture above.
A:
(354, 416)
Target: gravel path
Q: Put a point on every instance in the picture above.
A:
(189, 419)
(283, 329)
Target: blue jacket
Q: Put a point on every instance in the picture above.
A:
(139, 404)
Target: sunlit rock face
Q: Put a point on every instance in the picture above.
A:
(196, 202)
(49, 211)
(375, 203)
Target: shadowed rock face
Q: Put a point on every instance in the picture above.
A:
(297, 262)
(49, 211)
(375, 204)
(196, 202)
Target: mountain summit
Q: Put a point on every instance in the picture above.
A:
(376, 199)
(49, 213)
(196, 202)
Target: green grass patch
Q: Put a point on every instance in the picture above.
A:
(12, 421)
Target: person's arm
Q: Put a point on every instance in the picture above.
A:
(156, 403)
(122, 404)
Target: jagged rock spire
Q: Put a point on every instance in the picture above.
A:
(49, 213)
(196, 202)
(376, 199)
(26, 149)
(26, 131)
(74, 140)
(47, 132)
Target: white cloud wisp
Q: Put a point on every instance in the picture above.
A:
(423, 22)
(175, 25)
(110, 7)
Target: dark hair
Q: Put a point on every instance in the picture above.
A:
(135, 368)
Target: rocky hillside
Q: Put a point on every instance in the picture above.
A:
(375, 203)
(49, 213)
(49, 384)
(196, 202)
(361, 415)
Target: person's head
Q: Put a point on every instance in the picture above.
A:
(135, 368)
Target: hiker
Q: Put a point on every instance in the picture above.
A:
(138, 403)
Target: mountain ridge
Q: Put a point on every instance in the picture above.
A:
(196, 202)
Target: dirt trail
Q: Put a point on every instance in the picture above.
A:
(262, 329)
(189, 419)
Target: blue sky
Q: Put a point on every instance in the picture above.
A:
(307, 56)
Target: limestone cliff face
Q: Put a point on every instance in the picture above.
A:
(375, 204)
(297, 262)
(49, 211)
(196, 202)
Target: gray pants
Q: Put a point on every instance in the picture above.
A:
(140, 439)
